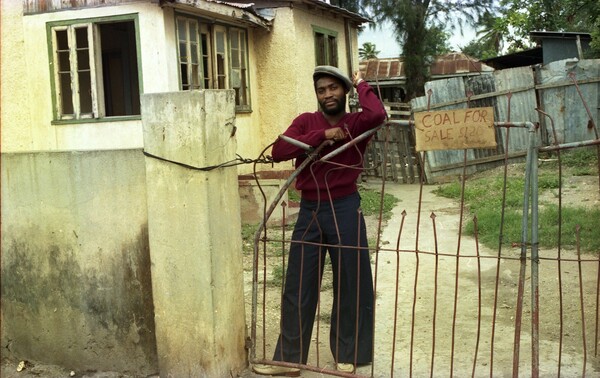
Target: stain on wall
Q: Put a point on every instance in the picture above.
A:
(76, 286)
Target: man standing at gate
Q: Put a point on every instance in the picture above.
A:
(329, 220)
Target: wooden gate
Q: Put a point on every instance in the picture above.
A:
(402, 160)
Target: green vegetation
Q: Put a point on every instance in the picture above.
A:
(580, 161)
(483, 198)
(371, 202)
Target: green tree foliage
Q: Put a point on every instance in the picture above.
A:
(419, 24)
(368, 51)
(518, 18)
(478, 50)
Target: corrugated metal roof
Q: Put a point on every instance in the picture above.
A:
(445, 65)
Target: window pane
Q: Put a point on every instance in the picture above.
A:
(205, 60)
(195, 77)
(220, 39)
(243, 49)
(183, 51)
(66, 94)
(332, 45)
(233, 39)
(194, 53)
(184, 76)
(81, 38)
(83, 60)
(181, 29)
(64, 61)
(220, 71)
(85, 92)
(235, 58)
(62, 43)
(320, 49)
(193, 31)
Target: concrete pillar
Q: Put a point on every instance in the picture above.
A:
(194, 233)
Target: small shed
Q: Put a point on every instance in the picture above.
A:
(561, 45)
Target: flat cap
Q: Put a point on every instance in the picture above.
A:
(332, 71)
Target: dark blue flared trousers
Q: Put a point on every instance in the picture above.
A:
(343, 229)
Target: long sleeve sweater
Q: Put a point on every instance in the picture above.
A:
(337, 177)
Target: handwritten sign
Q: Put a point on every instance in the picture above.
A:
(455, 129)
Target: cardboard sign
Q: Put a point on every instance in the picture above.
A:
(455, 129)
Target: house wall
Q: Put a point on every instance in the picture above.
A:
(76, 283)
(76, 286)
(285, 60)
(27, 112)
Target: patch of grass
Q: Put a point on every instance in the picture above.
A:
(276, 276)
(248, 231)
(483, 198)
(579, 161)
(371, 202)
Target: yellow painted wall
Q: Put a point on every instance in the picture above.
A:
(281, 62)
(26, 86)
(284, 63)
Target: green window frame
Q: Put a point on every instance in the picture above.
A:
(326, 46)
(213, 56)
(94, 69)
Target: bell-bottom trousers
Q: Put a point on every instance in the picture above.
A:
(343, 229)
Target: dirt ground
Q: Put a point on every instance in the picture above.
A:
(427, 320)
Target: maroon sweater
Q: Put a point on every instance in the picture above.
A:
(321, 178)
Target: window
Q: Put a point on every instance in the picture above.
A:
(213, 57)
(95, 70)
(325, 47)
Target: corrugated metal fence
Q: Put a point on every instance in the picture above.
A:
(561, 88)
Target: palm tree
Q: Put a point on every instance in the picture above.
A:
(368, 51)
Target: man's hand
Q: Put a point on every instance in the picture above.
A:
(357, 78)
(337, 133)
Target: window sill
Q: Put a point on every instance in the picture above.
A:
(95, 120)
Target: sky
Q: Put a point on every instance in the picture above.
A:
(385, 40)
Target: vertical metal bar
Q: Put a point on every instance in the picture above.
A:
(358, 253)
(523, 256)
(476, 231)
(535, 295)
(500, 240)
(583, 339)
(414, 304)
(460, 226)
(384, 177)
(559, 238)
(591, 123)
(435, 292)
(597, 306)
(396, 294)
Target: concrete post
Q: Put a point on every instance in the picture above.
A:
(194, 233)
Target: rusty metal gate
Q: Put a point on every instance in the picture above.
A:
(444, 303)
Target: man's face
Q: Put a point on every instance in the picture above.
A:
(331, 95)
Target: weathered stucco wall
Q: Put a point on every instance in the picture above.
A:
(286, 61)
(195, 233)
(76, 285)
(27, 112)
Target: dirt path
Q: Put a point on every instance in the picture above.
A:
(428, 323)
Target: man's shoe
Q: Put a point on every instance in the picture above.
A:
(345, 368)
(263, 369)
